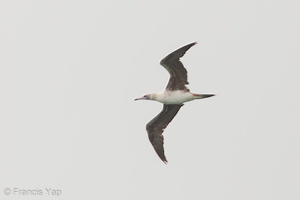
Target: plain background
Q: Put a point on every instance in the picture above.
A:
(71, 69)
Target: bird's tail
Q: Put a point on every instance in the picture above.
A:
(202, 96)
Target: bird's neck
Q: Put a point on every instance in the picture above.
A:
(155, 96)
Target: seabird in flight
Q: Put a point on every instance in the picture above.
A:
(173, 97)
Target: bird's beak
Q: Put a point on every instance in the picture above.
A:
(141, 98)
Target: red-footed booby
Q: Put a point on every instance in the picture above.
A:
(173, 97)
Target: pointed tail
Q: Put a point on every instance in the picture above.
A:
(202, 96)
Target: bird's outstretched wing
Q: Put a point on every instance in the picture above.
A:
(178, 74)
(156, 127)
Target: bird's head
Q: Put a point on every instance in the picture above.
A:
(145, 97)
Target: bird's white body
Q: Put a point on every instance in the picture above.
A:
(173, 97)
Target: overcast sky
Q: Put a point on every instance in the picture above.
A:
(69, 71)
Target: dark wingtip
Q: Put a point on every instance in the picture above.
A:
(164, 159)
(177, 53)
(188, 46)
(191, 44)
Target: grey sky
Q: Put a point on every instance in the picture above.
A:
(71, 69)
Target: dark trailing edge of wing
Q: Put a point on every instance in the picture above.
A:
(156, 127)
(178, 74)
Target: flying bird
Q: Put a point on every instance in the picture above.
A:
(175, 94)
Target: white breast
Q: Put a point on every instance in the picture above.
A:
(173, 97)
